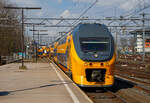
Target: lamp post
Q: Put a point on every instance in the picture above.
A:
(22, 37)
(38, 38)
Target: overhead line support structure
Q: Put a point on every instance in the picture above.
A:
(38, 38)
(22, 11)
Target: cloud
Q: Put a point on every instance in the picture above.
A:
(59, 1)
(122, 4)
(25, 2)
(39, 13)
(81, 0)
(28, 3)
(65, 14)
(129, 4)
(100, 2)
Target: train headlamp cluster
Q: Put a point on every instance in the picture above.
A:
(97, 64)
(107, 64)
(96, 55)
(85, 64)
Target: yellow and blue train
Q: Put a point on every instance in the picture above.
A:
(43, 52)
(87, 53)
(51, 51)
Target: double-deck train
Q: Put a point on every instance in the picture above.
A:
(87, 54)
(43, 51)
(51, 51)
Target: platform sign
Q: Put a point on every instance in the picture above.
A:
(20, 55)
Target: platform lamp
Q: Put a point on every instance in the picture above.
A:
(22, 37)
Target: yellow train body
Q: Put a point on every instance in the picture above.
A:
(83, 73)
(51, 51)
(40, 51)
(43, 52)
(55, 55)
(79, 75)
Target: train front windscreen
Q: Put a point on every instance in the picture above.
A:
(95, 44)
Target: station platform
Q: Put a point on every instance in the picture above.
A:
(40, 83)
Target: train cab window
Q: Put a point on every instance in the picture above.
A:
(95, 44)
(45, 51)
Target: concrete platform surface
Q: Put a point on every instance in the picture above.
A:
(40, 83)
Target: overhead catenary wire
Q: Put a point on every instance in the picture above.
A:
(78, 19)
(139, 9)
(84, 12)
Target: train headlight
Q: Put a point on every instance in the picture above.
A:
(107, 64)
(85, 64)
(96, 55)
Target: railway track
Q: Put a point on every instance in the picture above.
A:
(134, 79)
(103, 95)
(141, 81)
(98, 94)
(132, 72)
(117, 93)
(137, 58)
(144, 86)
(123, 91)
(138, 77)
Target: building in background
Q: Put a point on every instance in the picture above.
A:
(138, 35)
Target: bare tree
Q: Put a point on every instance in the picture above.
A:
(124, 43)
(10, 30)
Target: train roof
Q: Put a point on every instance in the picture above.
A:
(91, 28)
(82, 28)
